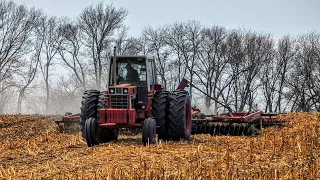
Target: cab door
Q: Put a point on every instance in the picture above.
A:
(152, 78)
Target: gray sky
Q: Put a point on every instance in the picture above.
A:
(279, 17)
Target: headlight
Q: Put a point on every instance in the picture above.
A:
(111, 90)
(125, 91)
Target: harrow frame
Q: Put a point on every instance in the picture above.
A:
(234, 123)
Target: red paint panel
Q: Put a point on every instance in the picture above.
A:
(116, 115)
(193, 113)
(114, 125)
(272, 118)
(149, 114)
(239, 116)
(102, 115)
(149, 103)
(72, 117)
(132, 116)
(157, 87)
(140, 115)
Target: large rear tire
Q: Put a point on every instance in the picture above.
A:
(179, 116)
(102, 103)
(105, 134)
(88, 108)
(160, 113)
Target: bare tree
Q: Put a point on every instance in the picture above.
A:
(126, 44)
(194, 39)
(158, 48)
(257, 50)
(16, 25)
(28, 75)
(248, 51)
(235, 56)
(184, 39)
(212, 62)
(97, 25)
(70, 50)
(285, 55)
(304, 78)
(48, 33)
(175, 38)
(269, 77)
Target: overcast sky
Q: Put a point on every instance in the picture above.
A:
(279, 17)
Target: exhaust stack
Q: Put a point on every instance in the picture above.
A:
(114, 66)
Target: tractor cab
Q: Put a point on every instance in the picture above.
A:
(130, 80)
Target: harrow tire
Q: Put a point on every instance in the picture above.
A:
(88, 108)
(179, 116)
(105, 134)
(91, 135)
(149, 131)
(160, 113)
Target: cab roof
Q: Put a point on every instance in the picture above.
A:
(133, 56)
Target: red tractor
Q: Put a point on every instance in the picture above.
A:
(134, 99)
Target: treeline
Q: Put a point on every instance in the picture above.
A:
(47, 62)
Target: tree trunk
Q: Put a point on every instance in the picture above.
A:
(19, 102)
(47, 99)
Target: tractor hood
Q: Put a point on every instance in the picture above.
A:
(123, 86)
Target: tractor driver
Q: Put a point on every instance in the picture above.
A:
(132, 74)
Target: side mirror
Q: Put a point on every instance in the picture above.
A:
(143, 69)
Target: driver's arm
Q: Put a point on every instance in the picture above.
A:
(119, 78)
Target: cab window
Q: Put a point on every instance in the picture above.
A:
(130, 71)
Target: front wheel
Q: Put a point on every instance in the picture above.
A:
(149, 131)
(91, 133)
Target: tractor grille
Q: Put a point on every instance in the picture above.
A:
(119, 101)
(118, 90)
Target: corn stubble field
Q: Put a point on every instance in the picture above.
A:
(31, 147)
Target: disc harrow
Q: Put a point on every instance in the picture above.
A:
(221, 128)
(234, 124)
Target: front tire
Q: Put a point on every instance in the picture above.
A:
(91, 132)
(149, 131)
(105, 134)
(180, 116)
